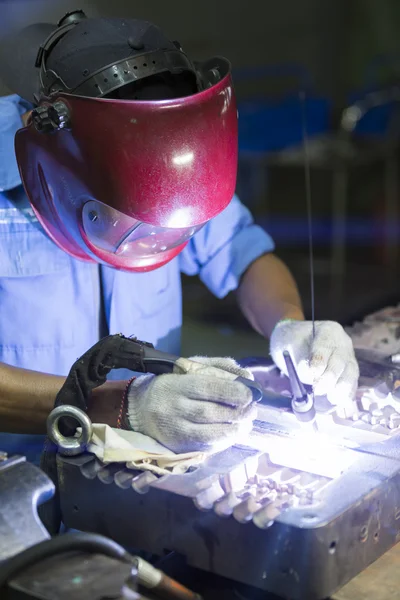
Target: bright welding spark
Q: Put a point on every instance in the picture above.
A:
(316, 454)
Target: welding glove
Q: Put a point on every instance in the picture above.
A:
(327, 362)
(198, 407)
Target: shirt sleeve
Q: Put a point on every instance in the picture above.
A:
(23, 105)
(223, 250)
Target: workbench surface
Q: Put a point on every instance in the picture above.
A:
(381, 581)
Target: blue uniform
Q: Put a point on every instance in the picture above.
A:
(53, 307)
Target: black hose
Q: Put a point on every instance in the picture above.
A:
(70, 542)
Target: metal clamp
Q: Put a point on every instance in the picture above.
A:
(69, 446)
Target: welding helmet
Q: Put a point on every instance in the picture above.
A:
(131, 147)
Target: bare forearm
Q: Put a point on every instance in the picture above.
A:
(26, 398)
(268, 293)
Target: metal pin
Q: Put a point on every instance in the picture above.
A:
(394, 421)
(123, 479)
(244, 511)
(224, 507)
(266, 516)
(142, 482)
(207, 498)
(106, 475)
(90, 469)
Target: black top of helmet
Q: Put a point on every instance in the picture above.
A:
(113, 58)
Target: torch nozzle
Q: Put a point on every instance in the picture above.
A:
(302, 402)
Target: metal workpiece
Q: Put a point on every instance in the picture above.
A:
(279, 512)
(365, 419)
(70, 566)
(379, 407)
(379, 332)
(23, 487)
(270, 518)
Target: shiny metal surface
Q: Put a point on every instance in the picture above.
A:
(69, 446)
(23, 487)
(293, 514)
(246, 518)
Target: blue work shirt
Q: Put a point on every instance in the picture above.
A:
(53, 307)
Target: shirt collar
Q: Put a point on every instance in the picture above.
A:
(11, 110)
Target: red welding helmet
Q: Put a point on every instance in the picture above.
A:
(125, 160)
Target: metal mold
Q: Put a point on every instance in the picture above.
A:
(293, 514)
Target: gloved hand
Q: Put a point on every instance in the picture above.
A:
(196, 408)
(326, 362)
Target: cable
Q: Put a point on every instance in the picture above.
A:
(84, 542)
(307, 174)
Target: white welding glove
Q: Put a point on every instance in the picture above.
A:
(199, 407)
(326, 362)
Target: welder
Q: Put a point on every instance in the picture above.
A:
(127, 152)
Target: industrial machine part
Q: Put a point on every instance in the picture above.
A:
(69, 445)
(377, 343)
(379, 331)
(23, 487)
(293, 513)
(73, 577)
(72, 566)
(75, 566)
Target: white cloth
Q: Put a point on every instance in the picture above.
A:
(326, 362)
(200, 407)
(138, 451)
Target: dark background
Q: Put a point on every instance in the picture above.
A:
(335, 39)
(338, 43)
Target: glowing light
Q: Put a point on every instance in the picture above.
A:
(316, 453)
(183, 159)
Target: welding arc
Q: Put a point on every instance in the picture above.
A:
(307, 176)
